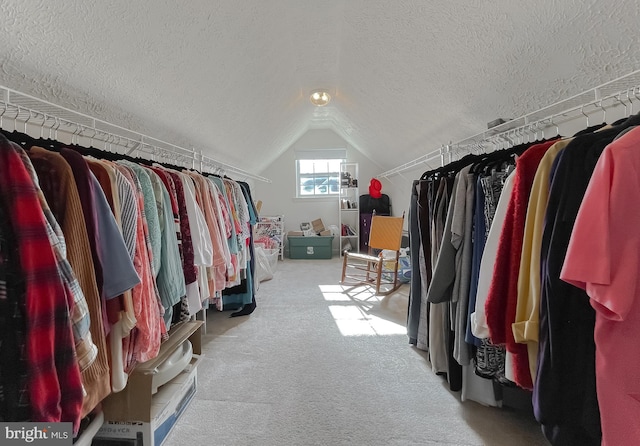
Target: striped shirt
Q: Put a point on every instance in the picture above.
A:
(86, 350)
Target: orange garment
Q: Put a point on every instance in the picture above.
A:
(68, 211)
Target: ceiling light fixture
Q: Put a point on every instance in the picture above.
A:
(320, 98)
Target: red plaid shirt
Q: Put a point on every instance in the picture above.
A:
(54, 381)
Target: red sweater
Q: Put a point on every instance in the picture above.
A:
(502, 300)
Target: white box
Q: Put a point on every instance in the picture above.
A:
(166, 408)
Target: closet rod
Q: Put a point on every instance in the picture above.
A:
(619, 92)
(25, 112)
(223, 168)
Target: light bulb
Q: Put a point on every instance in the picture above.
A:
(320, 98)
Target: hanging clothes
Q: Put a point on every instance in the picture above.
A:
(472, 386)
(120, 310)
(426, 195)
(216, 264)
(14, 379)
(170, 279)
(86, 350)
(565, 399)
(144, 340)
(461, 240)
(186, 249)
(253, 219)
(502, 298)
(105, 247)
(230, 232)
(489, 358)
(54, 381)
(58, 183)
(439, 334)
(203, 249)
(478, 317)
(181, 311)
(526, 327)
(242, 295)
(415, 288)
(455, 278)
(221, 214)
(611, 282)
(492, 364)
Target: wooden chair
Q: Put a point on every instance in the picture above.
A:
(372, 268)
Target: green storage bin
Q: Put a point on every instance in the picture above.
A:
(312, 247)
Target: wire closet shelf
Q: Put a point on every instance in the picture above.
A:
(28, 114)
(623, 92)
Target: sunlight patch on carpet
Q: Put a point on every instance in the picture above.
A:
(352, 312)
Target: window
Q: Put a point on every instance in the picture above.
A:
(318, 177)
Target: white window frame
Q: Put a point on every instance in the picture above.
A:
(322, 181)
(330, 157)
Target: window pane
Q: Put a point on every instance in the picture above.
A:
(322, 166)
(334, 165)
(305, 166)
(318, 177)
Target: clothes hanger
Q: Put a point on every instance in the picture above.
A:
(21, 138)
(75, 137)
(585, 115)
(449, 169)
(540, 129)
(2, 115)
(556, 126)
(624, 104)
(495, 159)
(54, 144)
(604, 111)
(635, 93)
(51, 143)
(481, 163)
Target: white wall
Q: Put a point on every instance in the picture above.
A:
(279, 197)
(399, 190)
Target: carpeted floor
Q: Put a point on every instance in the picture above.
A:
(315, 366)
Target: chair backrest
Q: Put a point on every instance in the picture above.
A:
(386, 232)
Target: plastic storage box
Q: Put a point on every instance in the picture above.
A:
(311, 247)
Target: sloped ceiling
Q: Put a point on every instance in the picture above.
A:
(233, 77)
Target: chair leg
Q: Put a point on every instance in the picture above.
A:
(396, 284)
(344, 266)
(395, 271)
(379, 278)
(395, 280)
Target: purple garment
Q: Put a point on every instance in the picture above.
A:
(86, 192)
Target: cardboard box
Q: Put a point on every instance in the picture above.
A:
(167, 407)
(318, 226)
(140, 416)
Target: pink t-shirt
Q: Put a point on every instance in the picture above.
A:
(604, 259)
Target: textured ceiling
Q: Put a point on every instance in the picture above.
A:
(232, 77)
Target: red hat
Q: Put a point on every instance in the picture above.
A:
(375, 188)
